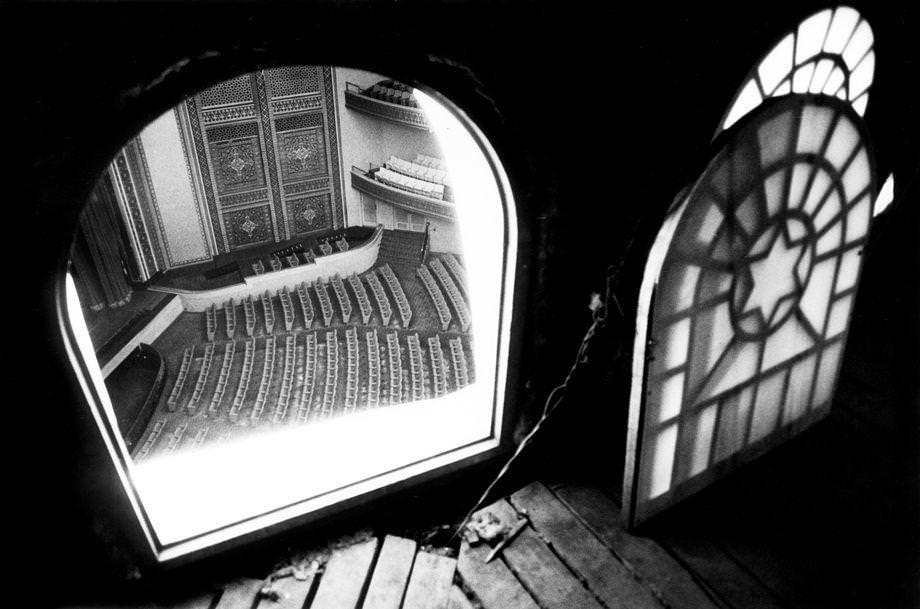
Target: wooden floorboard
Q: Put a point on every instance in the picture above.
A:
(343, 581)
(430, 582)
(665, 576)
(604, 574)
(293, 593)
(541, 571)
(492, 583)
(391, 574)
(241, 594)
(458, 599)
(199, 601)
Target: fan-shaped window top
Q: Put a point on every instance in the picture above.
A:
(753, 277)
(831, 53)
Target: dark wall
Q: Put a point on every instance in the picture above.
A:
(600, 117)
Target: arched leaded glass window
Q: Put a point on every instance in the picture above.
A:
(830, 52)
(748, 292)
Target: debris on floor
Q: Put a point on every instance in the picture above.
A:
(488, 527)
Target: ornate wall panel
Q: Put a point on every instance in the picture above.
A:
(251, 226)
(310, 214)
(269, 137)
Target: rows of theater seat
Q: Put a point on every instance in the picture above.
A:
(393, 92)
(298, 254)
(436, 289)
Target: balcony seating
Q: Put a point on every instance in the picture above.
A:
(249, 310)
(202, 378)
(392, 92)
(265, 383)
(453, 294)
(342, 245)
(152, 438)
(324, 248)
(409, 184)
(222, 378)
(438, 373)
(353, 364)
(461, 373)
(416, 170)
(383, 303)
(324, 302)
(309, 257)
(436, 296)
(173, 398)
(243, 385)
(176, 438)
(230, 318)
(210, 316)
(373, 369)
(364, 303)
(275, 263)
(306, 305)
(292, 260)
(269, 312)
(288, 307)
(342, 296)
(305, 404)
(395, 361)
(430, 161)
(258, 267)
(415, 367)
(332, 373)
(287, 379)
(402, 303)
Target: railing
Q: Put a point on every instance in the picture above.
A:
(410, 200)
(356, 99)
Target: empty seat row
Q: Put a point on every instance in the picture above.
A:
(243, 384)
(453, 294)
(325, 304)
(230, 318)
(201, 436)
(285, 297)
(438, 373)
(402, 303)
(324, 248)
(416, 170)
(152, 438)
(269, 311)
(342, 296)
(353, 363)
(408, 183)
(173, 398)
(306, 305)
(436, 296)
(275, 263)
(292, 260)
(176, 438)
(265, 383)
(342, 245)
(210, 316)
(258, 267)
(383, 303)
(390, 94)
(415, 367)
(309, 379)
(202, 378)
(287, 379)
(373, 369)
(459, 274)
(430, 161)
(223, 377)
(249, 311)
(395, 361)
(461, 372)
(332, 372)
(364, 303)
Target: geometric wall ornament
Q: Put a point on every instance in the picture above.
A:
(746, 299)
(309, 214)
(303, 154)
(238, 165)
(829, 53)
(249, 226)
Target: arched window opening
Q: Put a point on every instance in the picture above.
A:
(829, 53)
(746, 299)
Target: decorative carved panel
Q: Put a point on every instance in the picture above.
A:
(309, 214)
(303, 154)
(237, 165)
(293, 80)
(234, 91)
(248, 226)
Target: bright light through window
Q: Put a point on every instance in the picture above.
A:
(830, 53)
(754, 278)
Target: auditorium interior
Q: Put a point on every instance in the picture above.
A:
(626, 321)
